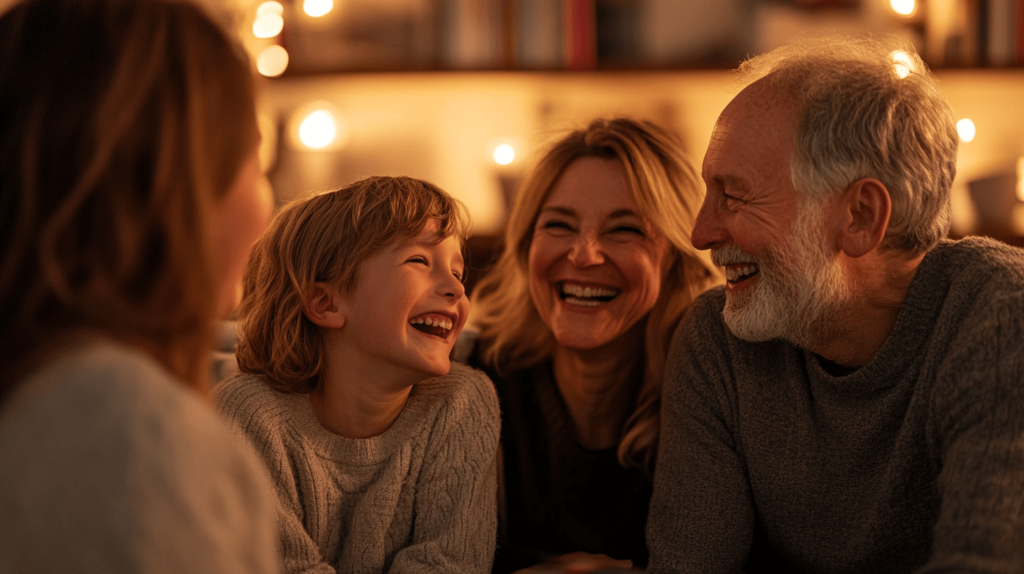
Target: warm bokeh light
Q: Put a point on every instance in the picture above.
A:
(504, 154)
(317, 8)
(902, 63)
(270, 6)
(267, 25)
(965, 128)
(318, 129)
(902, 7)
(1020, 178)
(272, 61)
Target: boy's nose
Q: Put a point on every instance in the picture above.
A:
(453, 288)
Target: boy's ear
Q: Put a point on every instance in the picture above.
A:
(323, 306)
(866, 209)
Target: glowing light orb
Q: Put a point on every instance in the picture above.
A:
(272, 61)
(903, 7)
(966, 129)
(504, 154)
(317, 8)
(902, 63)
(267, 25)
(318, 129)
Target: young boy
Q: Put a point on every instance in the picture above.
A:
(352, 302)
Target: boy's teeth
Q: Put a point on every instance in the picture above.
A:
(445, 324)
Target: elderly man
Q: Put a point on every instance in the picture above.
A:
(853, 399)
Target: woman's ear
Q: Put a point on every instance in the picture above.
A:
(324, 307)
(866, 207)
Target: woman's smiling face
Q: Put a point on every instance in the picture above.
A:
(596, 266)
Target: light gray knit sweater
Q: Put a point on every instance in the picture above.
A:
(421, 497)
(108, 465)
(914, 462)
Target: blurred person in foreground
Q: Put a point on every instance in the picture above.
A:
(130, 194)
(853, 399)
(574, 322)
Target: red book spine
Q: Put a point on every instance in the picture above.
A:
(580, 37)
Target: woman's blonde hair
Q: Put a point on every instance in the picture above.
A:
(122, 122)
(323, 239)
(667, 192)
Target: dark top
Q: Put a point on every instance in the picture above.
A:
(912, 463)
(559, 496)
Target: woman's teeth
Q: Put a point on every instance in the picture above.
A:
(587, 296)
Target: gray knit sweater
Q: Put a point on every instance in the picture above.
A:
(914, 462)
(421, 497)
(108, 465)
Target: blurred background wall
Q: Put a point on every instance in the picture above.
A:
(464, 93)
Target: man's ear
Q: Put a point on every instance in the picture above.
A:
(866, 207)
(324, 307)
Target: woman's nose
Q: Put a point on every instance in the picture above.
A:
(586, 252)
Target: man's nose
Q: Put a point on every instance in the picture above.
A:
(708, 231)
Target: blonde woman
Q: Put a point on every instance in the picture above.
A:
(574, 324)
(130, 194)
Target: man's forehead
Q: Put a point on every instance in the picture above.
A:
(755, 122)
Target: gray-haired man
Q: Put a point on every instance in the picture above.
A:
(853, 399)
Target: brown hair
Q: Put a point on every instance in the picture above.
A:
(667, 192)
(324, 238)
(122, 122)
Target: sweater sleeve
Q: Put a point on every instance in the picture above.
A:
(701, 516)
(456, 496)
(240, 400)
(977, 429)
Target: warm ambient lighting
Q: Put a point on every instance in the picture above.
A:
(317, 8)
(318, 129)
(902, 63)
(902, 7)
(504, 154)
(965, 128)
(272, 61)
(1020, 178)
(269, 20)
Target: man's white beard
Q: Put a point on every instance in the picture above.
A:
(800, 289)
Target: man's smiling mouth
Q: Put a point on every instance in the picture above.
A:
(739, 273)
(575, 294)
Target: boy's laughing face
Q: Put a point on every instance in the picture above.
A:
(408, 307)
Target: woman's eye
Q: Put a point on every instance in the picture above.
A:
(458, 275)
(556, 224)
(628, 229)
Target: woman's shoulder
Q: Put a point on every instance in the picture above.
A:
(103, 423)
(100, 378)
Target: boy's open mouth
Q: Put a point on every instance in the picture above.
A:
(433, 324)
(575, 294)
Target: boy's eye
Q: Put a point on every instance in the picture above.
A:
(417, 259)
